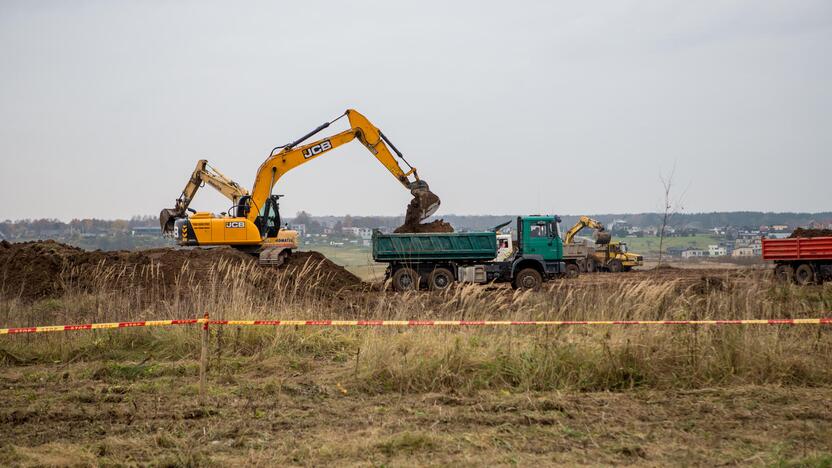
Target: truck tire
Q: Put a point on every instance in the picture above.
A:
(804, 274)
(572, 270)
(405, 279)
(527, 278)
(615, 266)
(591, 266)
(440, 279)
(784, 273)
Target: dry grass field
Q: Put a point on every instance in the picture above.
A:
(726, 395)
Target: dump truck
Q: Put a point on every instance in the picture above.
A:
(436, 260)
(803, 260)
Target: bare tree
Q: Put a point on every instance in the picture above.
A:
(670, 207)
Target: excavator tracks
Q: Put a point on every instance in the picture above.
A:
(273, 256)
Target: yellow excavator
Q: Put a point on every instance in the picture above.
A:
(253, 222)
(601, 235)
(203, 174)
(606, 255)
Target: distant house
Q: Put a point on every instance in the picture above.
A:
(715, 250)
(149, 231)
(743, 252)
(693, 253)
(300, 228)
(815, 224)
(361, 233)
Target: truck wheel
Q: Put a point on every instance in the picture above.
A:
(405, 279)
(572, 270)
(615, 266)
(591, 266)
(440, 279)
(804, 275)
(784, 273)
(527, 278)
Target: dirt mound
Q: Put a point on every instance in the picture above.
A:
(412, 221)
(434, 226)
(33, 270)
(333, 276)
(801, 232)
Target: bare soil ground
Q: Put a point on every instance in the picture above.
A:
(278, 413)
(479, 396)
(33, 270)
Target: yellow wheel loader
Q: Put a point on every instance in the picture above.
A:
(253, 223)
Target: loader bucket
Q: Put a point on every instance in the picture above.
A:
(424, 203)
(602, 237)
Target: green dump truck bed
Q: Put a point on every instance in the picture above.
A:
(457, 246)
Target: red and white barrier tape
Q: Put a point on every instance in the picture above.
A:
(406, 323)
(98, 326)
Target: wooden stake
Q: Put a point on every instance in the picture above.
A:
(203, 361)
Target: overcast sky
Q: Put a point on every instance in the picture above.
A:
(504, 107)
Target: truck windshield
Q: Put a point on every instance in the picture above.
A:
(623, 247)
(539, 230)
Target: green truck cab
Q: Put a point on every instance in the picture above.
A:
(438, 259)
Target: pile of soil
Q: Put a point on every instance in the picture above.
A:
(40, 269)
(434, 226)
(334, 276)
(801, 232)
(412, 219)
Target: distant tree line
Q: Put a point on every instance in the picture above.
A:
(119, 233)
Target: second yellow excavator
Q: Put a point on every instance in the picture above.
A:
(253, 222)
(606, 255)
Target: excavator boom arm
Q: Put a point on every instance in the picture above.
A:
(203, 173)
(583, 222)
(292, 156)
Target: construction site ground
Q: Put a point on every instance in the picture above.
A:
(263, 413)
(319, 396)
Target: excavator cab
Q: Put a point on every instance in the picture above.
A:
(269, 220)
(240, 210)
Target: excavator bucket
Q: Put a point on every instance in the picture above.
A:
(424, 203)
(603, 237)
(167, 219)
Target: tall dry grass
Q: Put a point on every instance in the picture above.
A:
(460, 360)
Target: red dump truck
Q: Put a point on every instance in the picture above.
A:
(804, 260)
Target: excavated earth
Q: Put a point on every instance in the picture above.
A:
(801, 232)
(434, 226)
(412, 219)
(33, 270)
